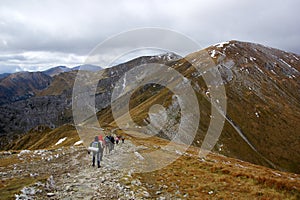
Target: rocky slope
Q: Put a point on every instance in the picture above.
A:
(52, 106)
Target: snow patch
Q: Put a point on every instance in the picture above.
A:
(78, 142)
(240, 166)
(295, 57)
(285, 63)
(213, 53)
(259, 69)
(220, 45)
(60, 141)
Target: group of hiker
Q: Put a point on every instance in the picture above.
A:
(99, 145)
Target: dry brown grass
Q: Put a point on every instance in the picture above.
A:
(223, 177)
(9, 187)
(46, 138)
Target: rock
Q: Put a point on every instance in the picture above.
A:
(67, 188)
(162, 198)
(28, 191)
(136, 182)
(50, 185)
(158, 192)
(50, 194)
(146, 194)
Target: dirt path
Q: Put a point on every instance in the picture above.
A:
(70, 174)
(111, 181)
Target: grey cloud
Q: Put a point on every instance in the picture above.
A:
(73, 28)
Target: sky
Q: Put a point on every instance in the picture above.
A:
(37, 35)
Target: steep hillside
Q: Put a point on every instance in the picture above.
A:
(22, 85)
(62, 83)
(262, 89)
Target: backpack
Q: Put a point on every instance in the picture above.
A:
(94, 147)
(107, 140)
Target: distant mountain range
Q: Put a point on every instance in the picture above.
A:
(23, 85)
(61, 69)
(262, 90)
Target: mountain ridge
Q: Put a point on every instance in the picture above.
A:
(261, 86)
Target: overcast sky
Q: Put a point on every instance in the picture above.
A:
(36, 35)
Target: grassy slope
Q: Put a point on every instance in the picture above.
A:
(227, 178)
(45, 138)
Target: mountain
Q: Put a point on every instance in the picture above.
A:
(61, 69)
(4, 75)
(56, 70)
(22, 85)
(88, 67)
(262, 93)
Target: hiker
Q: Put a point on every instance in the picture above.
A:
(100, 137)
(117, 140)
(123, 138)
(112, 140)
(107, 144)
(96, 148)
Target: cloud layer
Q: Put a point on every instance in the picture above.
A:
(40, 34)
